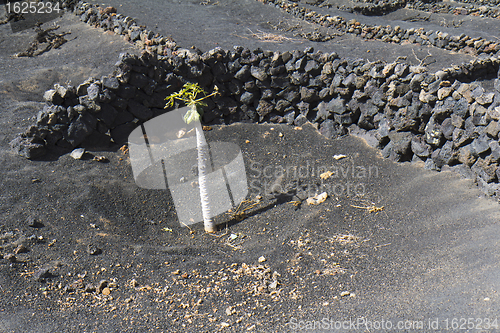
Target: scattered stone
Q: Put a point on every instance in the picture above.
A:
(33, 222)
(93, 250)
(26, 147)
(102, 284)
(10, 257)
(102, 159)
(21, 249)
(42, 274)
(317, 199)
(78, 153)
(133, 283)
(89, 288)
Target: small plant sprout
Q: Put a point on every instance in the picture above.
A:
(189, 95)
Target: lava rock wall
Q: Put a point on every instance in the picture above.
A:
(445, 118)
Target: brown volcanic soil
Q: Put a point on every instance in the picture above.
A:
(431, 252)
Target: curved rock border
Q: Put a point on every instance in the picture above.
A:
(389, 34)
(442, 118)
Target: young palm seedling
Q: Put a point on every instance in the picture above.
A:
(189, 95)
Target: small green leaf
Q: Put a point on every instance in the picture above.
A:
(188, 94)
(191, 115)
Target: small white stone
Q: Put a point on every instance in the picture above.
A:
(77, 153)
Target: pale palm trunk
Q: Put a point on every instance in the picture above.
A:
(203, 157)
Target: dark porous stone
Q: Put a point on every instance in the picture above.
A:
(457, 121)
(126, 91)
(89, 104)
(289, 116)
(243, 74)
(444, 108)
(218, 69)
(267, 94)
(488, 189)
(120, 133)
(315, 83)
(308, 95)
(447, 128)
(119, 104)
(301, 64)
(299, 79)
(280, 82)
(312, 67)
(495, 151)
(400, 149)
(139, 110)
(303, 108)
(108, 114)
(67, 92)
(96, 140)
(139, 80)
(445, 155)
(486, 172)
(25, 147)
(101, 127)
(368, 111)
(258, 73)
(122, 118)
(465, 156)
(78, 131)
(227, 105)
(415, 82)
(235, 87)
(106, 96)
(461, 108)
(460, 137)
(82, 88)
(282, 105)
(247, 98)
(404, 120)
(264, 108)
(93, 92)
(290, 94)
(430, 165)
(251, 86)
(419, 147)
(383, 128)
(52, 96)
(492, 129)
(337, 106)
(480, 145)
(345, 119)
(480, 117)
(350, 80)
(323, 111)
(331, 130)
(300, 120)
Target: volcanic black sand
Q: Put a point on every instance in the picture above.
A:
(397, 242)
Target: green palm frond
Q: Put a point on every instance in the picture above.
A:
(189, 95)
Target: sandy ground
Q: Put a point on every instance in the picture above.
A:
(403, 245)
